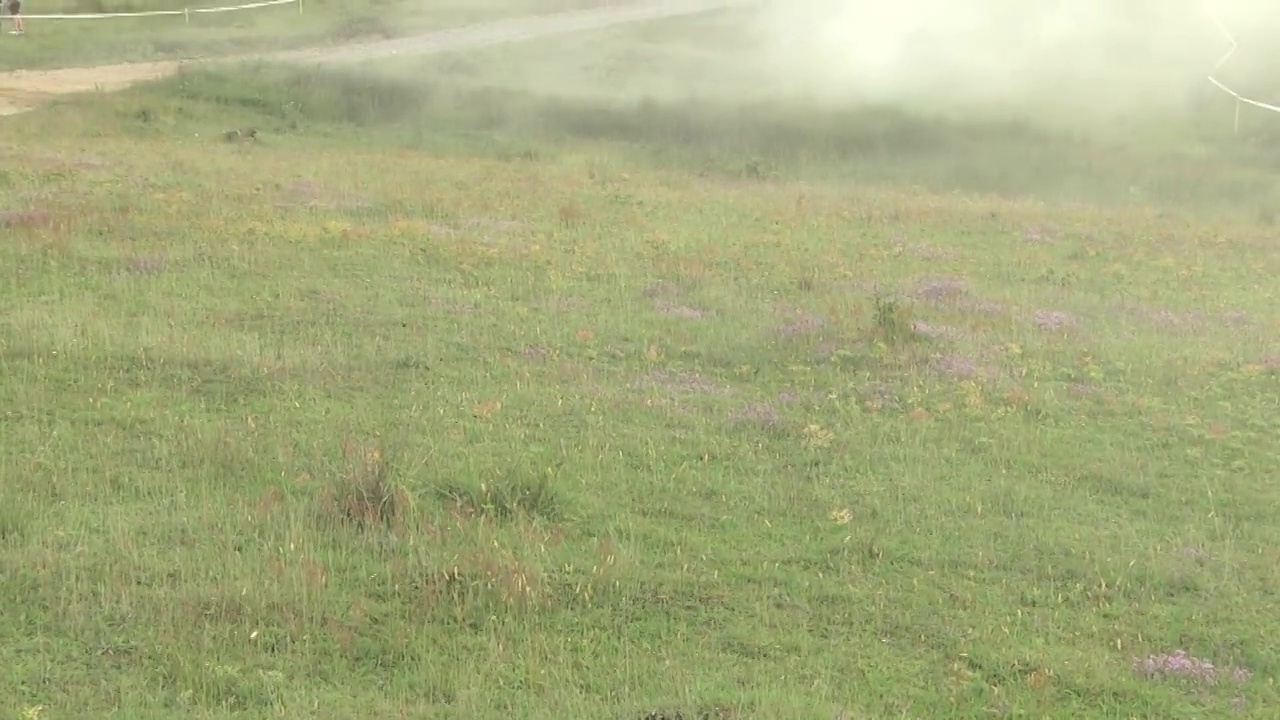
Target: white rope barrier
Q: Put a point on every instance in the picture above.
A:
(249, 6)
(185, 12)
(1240, 99)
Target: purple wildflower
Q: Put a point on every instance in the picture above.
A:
(663, 289)
(1035, 236)
(984, 307)
(935, 332)
(1195, 553)
(1084, 389)
(824, 350)
(535, 352)
(145, 265)
(497, 224)
(687, 381)
(680, 311)
(955, 366)
(1165, 318)
(1181, 665)
(1054, 319)
(941, 289)
(304, 190)
(803, 324)
(1236, 317)
(760, 414)
(923, 250)
(19, 219)
(878, 396)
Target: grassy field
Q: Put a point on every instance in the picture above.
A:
(67, 43)
(447, 400)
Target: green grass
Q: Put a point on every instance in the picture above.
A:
(69, 43)
(693, 92)
(446, 401)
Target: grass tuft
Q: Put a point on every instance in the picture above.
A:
(364, 496)
(507, 498)
(892, 319)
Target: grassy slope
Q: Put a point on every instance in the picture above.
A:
(68, 43)
(498, 419)
(693, 92)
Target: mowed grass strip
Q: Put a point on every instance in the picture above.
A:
(318, 426)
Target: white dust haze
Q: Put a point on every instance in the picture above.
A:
(1068, 58)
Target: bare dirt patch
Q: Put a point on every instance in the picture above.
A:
(22, 90)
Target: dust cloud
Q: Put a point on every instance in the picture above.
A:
(1079, 59)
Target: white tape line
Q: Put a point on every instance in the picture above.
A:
(154, 13)
(98, 16)
(1258, 104)
(1224, 88)
(250, 6)
(1222, 29)
(1231, 51)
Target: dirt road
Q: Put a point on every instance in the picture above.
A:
(24, 89)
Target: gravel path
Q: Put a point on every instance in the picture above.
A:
(22, 90)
